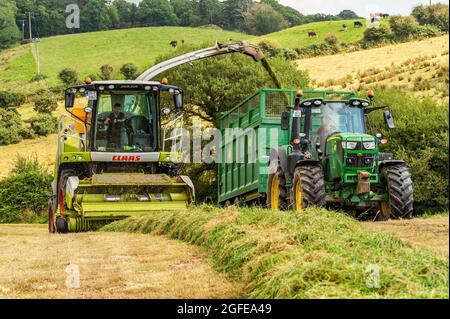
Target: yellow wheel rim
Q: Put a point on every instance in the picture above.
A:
(274, 193)
(298, 196)
(385, 208)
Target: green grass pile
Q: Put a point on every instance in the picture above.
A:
(315, 254)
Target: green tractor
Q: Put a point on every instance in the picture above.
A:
(322, 156)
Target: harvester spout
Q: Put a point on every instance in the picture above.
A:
(219, 49)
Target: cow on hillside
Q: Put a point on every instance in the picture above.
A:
(312, 34)
(174, 43)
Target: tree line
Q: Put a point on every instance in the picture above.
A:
(48, 17)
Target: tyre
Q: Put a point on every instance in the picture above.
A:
(308, 187)
(227, 204)
(237, 202)
(398, 183)
(276, 194)
(61, 225)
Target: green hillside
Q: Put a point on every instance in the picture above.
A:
(86, 52)
(297, 37)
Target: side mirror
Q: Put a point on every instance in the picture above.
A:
(69, 100)
(285, 120)
(178, 100)
(389, 119)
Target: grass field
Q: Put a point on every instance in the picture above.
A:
(419, 66)
(314, 254)
(86, 52)
(297, 37)
(33, 265)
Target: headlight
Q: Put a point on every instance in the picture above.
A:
(349, 145)
(307, 104)
(365, 104)
(369, 145)
(317, 102)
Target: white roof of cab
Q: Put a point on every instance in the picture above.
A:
(119, 82)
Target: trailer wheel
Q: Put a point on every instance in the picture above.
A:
(308, 187)
(276, 193)
(398, 182)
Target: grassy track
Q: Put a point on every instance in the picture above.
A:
(318, 254)
(33, 265)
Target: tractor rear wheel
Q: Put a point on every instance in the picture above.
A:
(276, 193)
(398, 182)
(308, 187)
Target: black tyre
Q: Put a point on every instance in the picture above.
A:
(61, 225)
(308, 187)
(276, 193)
(237, 202)
(227, 204)
(398, 183)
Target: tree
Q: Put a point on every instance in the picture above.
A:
(347, 15)
(185, 10)
(68, 76)
(292, 16)
(95, 16)
(106, 71)
(331, 39)
(403, 27)
(234, 13)
(262, 19)
(436, 14)
(127, 13)
(157, 13)
(377, 34)
(129, 71)
(9, 33)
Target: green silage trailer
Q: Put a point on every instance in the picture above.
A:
(241, 179)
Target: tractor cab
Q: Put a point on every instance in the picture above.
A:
(336, 129)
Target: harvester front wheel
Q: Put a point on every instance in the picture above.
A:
(276, 193)
(61, 225)
(398, 182)
(308, 187)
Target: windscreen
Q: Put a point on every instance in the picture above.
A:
(335, 117)
(125, 121)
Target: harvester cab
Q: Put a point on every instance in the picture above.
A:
(110, 163)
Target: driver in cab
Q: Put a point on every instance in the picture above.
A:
(115, 121)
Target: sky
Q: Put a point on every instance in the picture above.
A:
(362, 7)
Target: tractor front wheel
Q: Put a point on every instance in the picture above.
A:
(398, 183)
(308, 187)
(276, 194)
